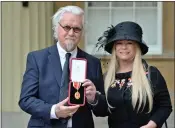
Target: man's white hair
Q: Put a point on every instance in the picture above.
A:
(59, 14)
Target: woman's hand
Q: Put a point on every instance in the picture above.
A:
(151, 124)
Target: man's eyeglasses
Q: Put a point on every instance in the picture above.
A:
(67, 28)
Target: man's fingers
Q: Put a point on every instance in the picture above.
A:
(88, 92)
(86, 80)
(70, 113)
(65, 111)
(86, 84)
(71, 108)
(74, 111)
(91, 88)
(64, 101)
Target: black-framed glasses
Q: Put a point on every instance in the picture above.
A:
(67, 28)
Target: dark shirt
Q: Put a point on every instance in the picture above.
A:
(123, 115)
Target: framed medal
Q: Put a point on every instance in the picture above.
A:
(78, 69)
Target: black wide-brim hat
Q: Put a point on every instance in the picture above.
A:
(126, 31)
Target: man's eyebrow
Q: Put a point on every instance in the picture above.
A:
(70, 25)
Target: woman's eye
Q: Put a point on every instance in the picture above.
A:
(129, 42)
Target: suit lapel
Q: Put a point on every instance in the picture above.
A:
(80, 54)
(54, 58)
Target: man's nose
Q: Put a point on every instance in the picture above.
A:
(71, 32)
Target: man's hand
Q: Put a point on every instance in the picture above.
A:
(90, 90)
(62, 111)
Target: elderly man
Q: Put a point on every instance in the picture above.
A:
(42, 87)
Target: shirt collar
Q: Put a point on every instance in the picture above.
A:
(62, 52)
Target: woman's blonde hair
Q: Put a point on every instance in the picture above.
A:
(141, 89)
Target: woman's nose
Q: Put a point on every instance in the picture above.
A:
(124, 45)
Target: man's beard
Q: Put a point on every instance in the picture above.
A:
(70, 46)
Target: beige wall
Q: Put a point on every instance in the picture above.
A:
(0, 63)
(23, 30)
(168, 27)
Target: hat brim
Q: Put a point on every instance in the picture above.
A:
(144, 48)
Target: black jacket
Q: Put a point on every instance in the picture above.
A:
(123, 115)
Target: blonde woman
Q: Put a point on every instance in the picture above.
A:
(131, 100)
